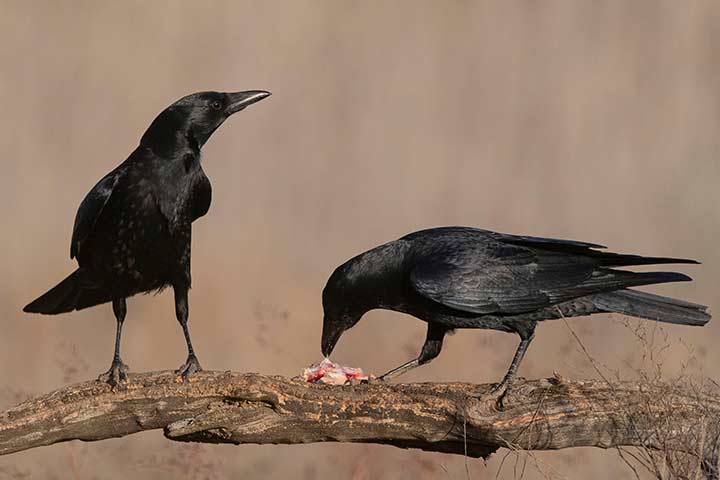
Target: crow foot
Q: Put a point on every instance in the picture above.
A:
(498, 393)
(116, 375)
(190, 366)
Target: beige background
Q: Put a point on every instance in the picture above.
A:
(594, 121)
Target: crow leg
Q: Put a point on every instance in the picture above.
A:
(118, 370)
(526, 336)
(191, 365)
(431, 349)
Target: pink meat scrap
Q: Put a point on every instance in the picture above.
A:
(332, 373)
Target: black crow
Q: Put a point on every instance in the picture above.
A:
(459, 277)
(132, 231)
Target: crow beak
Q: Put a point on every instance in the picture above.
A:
(240, 100)
(329, 339)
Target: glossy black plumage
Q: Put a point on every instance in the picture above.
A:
(458, 277)
(132, 231)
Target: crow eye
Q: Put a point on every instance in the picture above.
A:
(216, 105)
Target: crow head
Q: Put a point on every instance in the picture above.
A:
(194, 118)
(371, 280)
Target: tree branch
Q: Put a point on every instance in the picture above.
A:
(226, 407)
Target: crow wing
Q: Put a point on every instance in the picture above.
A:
(542, 242)
(201, 197)
(495, 277)
(91, 208)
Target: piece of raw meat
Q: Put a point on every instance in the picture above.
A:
(332, 373)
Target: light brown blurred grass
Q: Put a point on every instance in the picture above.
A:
(589, 120)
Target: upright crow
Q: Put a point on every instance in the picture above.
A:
(132, 231)
(459, 277)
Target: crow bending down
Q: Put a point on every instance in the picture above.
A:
(458, 277)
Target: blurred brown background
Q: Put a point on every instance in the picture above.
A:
(587, 120)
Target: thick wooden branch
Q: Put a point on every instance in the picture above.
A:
(226, 407)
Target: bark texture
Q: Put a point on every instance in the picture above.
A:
(460, 418)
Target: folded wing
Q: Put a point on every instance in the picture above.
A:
(526, 274)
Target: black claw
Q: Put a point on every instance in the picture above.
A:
(499, 392)
(372, 381)
(190, 366)
(497, 388)
(352, 382)
(116, 375)
(500, 402)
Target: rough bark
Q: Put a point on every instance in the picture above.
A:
(226, 407)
